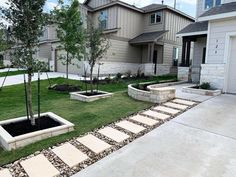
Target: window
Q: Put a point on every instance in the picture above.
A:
(156, 18)
(175, 56)
(212, 3)
(218, 2)
(103, 19)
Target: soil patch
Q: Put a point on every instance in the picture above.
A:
(24, 127)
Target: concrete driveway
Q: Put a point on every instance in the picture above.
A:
(198, 143)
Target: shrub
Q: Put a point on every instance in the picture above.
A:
(205, 86)
(118, 76)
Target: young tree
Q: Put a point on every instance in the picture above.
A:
(27, 20)
(97, 45)
(70, 32)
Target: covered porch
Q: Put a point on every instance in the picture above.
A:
(194, 38)
(152, 47)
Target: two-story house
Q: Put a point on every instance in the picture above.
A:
(213, 38)
(140, 38)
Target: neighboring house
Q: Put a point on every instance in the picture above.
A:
(44, 50)
(140, 38)
(213, 36)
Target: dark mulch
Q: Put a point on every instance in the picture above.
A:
(24, 127)
(65, 88)
(92, 94)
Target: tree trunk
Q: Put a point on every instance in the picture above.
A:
(91, 79)
(67, 66)
(30, 102)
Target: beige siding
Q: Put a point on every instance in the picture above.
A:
(168, 53)
(129, 22)
(112, 17)
(121, 51)
(44, 51)
(217, 36)
(153, 27)
(98, 3)
(174, 23)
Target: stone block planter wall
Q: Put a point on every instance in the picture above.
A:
(214, 74)
(201, 91)
(79, 96)
(183, 73)
(9, 143)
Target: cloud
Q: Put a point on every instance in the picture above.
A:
(50, 5)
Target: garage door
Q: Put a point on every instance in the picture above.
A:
(232, 68)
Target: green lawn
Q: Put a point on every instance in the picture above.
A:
(85, 116)
(12, 73)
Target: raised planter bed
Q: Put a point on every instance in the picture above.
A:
(88, 97)
(195, 90)
(156, 93)
(18, 132)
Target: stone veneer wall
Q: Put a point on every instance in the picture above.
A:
(214, 74)
(183, 73)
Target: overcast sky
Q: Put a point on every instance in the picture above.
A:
(187, 6)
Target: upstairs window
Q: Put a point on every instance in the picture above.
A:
(156, 17)
(103, 19)
(212, 3)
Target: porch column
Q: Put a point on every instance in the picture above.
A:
(188, 53)
(184, 51)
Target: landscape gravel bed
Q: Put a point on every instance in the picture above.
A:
(65, 171)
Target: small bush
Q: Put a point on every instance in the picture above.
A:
(118, 76)
(205, 86)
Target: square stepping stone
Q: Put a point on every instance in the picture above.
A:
(189, 103)
(5, 173)
(156, 115)
(94, 144)
(167, 110)
(144, 120)
(39, 166)
(176, 106)
(134, 128)
(70, 155)
(114, 134)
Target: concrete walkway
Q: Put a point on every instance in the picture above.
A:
(199, 143)
(19, 79)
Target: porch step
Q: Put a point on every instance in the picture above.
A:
(176, 106)
(39, 166)
(134, 128)
(70, 155)
(94, 144)
(114, 134)
(144, 120)
(167, 110)
(156, 115)
(188, 103)
(5, 173)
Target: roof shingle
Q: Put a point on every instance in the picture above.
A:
(195, 27)
(147, 37)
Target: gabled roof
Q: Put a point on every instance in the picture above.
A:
(147, 37)
(146, 9)
(222, 11)
(197, 28)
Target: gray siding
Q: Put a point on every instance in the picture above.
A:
(129, 22)
(98, 3)
(122, 51)
(198, 51)
(112, 17)
(148, 27)
(45, 51)
(174, 23)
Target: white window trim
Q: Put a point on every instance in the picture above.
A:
(155, 18)
(214, 4)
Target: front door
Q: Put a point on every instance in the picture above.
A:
(155, 61)
(232, 65)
